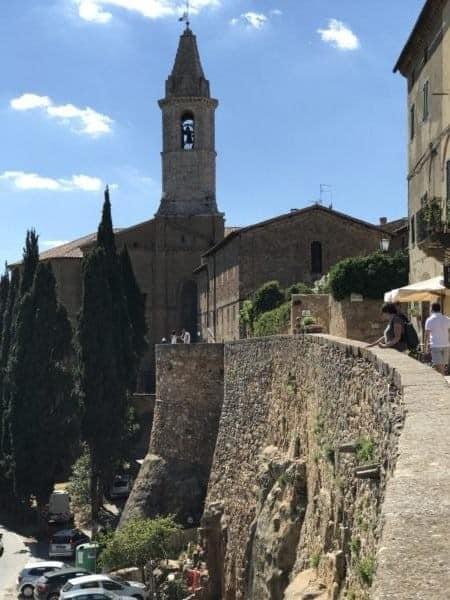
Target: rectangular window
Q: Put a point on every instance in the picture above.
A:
(412, 121)
(413, 230)
(426, 100)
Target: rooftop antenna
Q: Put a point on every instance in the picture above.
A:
(326, 190)
(185, 15)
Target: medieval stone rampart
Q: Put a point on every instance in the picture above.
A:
(189, 393)
(304, 474)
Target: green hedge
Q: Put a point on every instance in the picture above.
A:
(371, 275)
(273, 321)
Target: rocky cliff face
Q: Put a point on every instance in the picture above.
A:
(307, 439)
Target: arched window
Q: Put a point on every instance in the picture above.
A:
(316, 258)
(187, 131)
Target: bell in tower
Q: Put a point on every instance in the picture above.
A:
(189, 155)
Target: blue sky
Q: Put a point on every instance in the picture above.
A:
(306, 90)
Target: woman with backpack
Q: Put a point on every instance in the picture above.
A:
(394, 334)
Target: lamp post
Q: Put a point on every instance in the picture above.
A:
(384, 244)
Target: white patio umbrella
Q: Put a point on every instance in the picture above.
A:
(422, 291)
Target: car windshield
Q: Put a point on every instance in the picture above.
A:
(117, 578)
(61, 539)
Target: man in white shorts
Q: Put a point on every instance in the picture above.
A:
(436, 338)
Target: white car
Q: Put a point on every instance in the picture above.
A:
(31, 572)
(93, 594)
(111, 583)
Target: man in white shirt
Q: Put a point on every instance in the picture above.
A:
(436, 338)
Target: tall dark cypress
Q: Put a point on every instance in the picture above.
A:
(105, 356)
(30, 261)
(135, 303)
(42, 407)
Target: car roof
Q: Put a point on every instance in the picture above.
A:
(74, 593)
(69, 570)
(88, 578)
(44, 563)
(65, 532)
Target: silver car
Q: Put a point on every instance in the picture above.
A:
(93, 594)
(31, 573)
(111, 583)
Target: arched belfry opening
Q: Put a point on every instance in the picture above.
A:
(187, 131)
(188, 308)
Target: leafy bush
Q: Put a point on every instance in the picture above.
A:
(138, 542)
(246, 317)
(267, 297)
(78, 486)
(370, 275)
(365, 449)
(366, 569)
(298, 288)
(273, 321)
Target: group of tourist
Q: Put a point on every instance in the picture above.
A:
(183, 338)
(436, 342)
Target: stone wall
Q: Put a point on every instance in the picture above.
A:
(318, 306)
(299, 416)
(356, 320)
(144, 406)
(189, 393)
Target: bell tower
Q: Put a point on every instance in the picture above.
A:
(189, 155)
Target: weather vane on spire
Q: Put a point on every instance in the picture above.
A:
(185, 15)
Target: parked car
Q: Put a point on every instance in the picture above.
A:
(58, 509)
(31, 573)
(49, 585)
(64, 542)
(121, 486)
(112, 583)
(92, 594)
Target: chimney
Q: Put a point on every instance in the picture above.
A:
(383, 221)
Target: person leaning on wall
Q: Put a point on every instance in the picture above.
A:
(394, 334)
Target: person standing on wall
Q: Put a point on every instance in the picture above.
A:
(436, 338)
(173, 337)
(185, 337)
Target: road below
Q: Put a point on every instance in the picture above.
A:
(19, 549)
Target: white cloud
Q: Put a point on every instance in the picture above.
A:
(339, 35)
(33, 181)
(277, 12)
(251, 19)
(53, 243)
(93, 10)
(82, 120)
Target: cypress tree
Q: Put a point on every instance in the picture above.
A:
(105, 356)
(30, 261)
(136, 312)
(42, 407)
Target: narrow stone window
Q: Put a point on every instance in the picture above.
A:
(426, 100)
(316, 258)
(412, 121)
(187, 131)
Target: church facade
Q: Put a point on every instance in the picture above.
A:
(188, 231)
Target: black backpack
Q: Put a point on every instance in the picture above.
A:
(410, 336)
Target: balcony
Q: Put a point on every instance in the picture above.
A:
(433, 229)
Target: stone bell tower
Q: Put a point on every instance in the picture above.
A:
(189, 155)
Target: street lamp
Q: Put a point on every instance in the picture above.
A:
(384, 244)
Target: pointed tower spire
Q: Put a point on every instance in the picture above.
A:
(187, 77)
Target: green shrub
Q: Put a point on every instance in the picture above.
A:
(273, 321)
(314, 560)
(246, 316)
(78, 486)
(366, 570)
(365, 449)
(370, 275)
(267, 297)
(298, 288)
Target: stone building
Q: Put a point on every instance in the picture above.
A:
(301, 245)
(425, 64)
